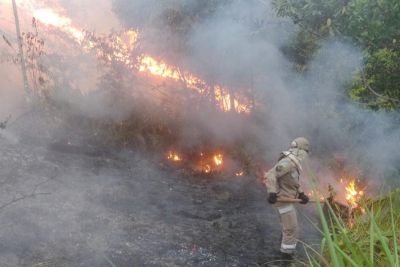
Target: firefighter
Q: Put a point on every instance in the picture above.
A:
(283, 181)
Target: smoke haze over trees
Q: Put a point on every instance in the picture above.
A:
(91, 143)
(305, 71)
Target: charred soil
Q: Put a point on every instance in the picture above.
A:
(72, 205)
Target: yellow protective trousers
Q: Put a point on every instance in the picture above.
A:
(290, 228)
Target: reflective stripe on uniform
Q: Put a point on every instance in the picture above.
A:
(285, 209)
(288, 246)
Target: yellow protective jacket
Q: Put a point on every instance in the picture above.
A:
(284, 177)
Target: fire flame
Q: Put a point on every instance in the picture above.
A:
(353, 194)
(204, 164)
(221, 94)
(210, 164)
(160, 68)
(348, 192)
(206, 168)
(122, 48)
(123, 45)
(239, 173)
(173, 156)
(218, 159)
(49, 17)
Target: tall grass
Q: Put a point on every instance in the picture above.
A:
(369, 238)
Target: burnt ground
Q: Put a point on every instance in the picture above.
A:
(66, 205)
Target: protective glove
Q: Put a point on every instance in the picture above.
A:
(272, 198)
(304, 198)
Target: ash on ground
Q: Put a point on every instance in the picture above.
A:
(69, 205)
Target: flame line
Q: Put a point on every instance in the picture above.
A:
(145, 62)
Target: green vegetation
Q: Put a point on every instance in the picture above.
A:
(368, 235)
(372, 25)
(370, 238)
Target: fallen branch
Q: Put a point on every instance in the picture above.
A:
(32, 194)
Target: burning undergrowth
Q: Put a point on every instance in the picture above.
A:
(203, 101)
(207, 161)
(168, 135)
(213, 99)
(143, 103)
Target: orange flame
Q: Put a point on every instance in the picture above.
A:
(218, 159)
(122, 48)
(161, 69)
(49, 17)
(173, 156)
(239, 173)
(151, 65)
(206, 168)
(208, 163)
(123, 45)
(223, 98)
(353, 195)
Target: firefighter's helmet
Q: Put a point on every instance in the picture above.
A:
(300, 143)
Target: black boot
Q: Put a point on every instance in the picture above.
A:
(287, 259)
(287, 256)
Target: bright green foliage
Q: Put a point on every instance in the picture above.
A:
(372, 238)
(379, 83)
(369, 237)
(374, 25)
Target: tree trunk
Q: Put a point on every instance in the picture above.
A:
(21, 51)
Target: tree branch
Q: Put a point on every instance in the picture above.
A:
(387, 98)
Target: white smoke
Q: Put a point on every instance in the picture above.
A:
(230, 42)
(239, 43)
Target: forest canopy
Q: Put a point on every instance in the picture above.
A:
(372, 25)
